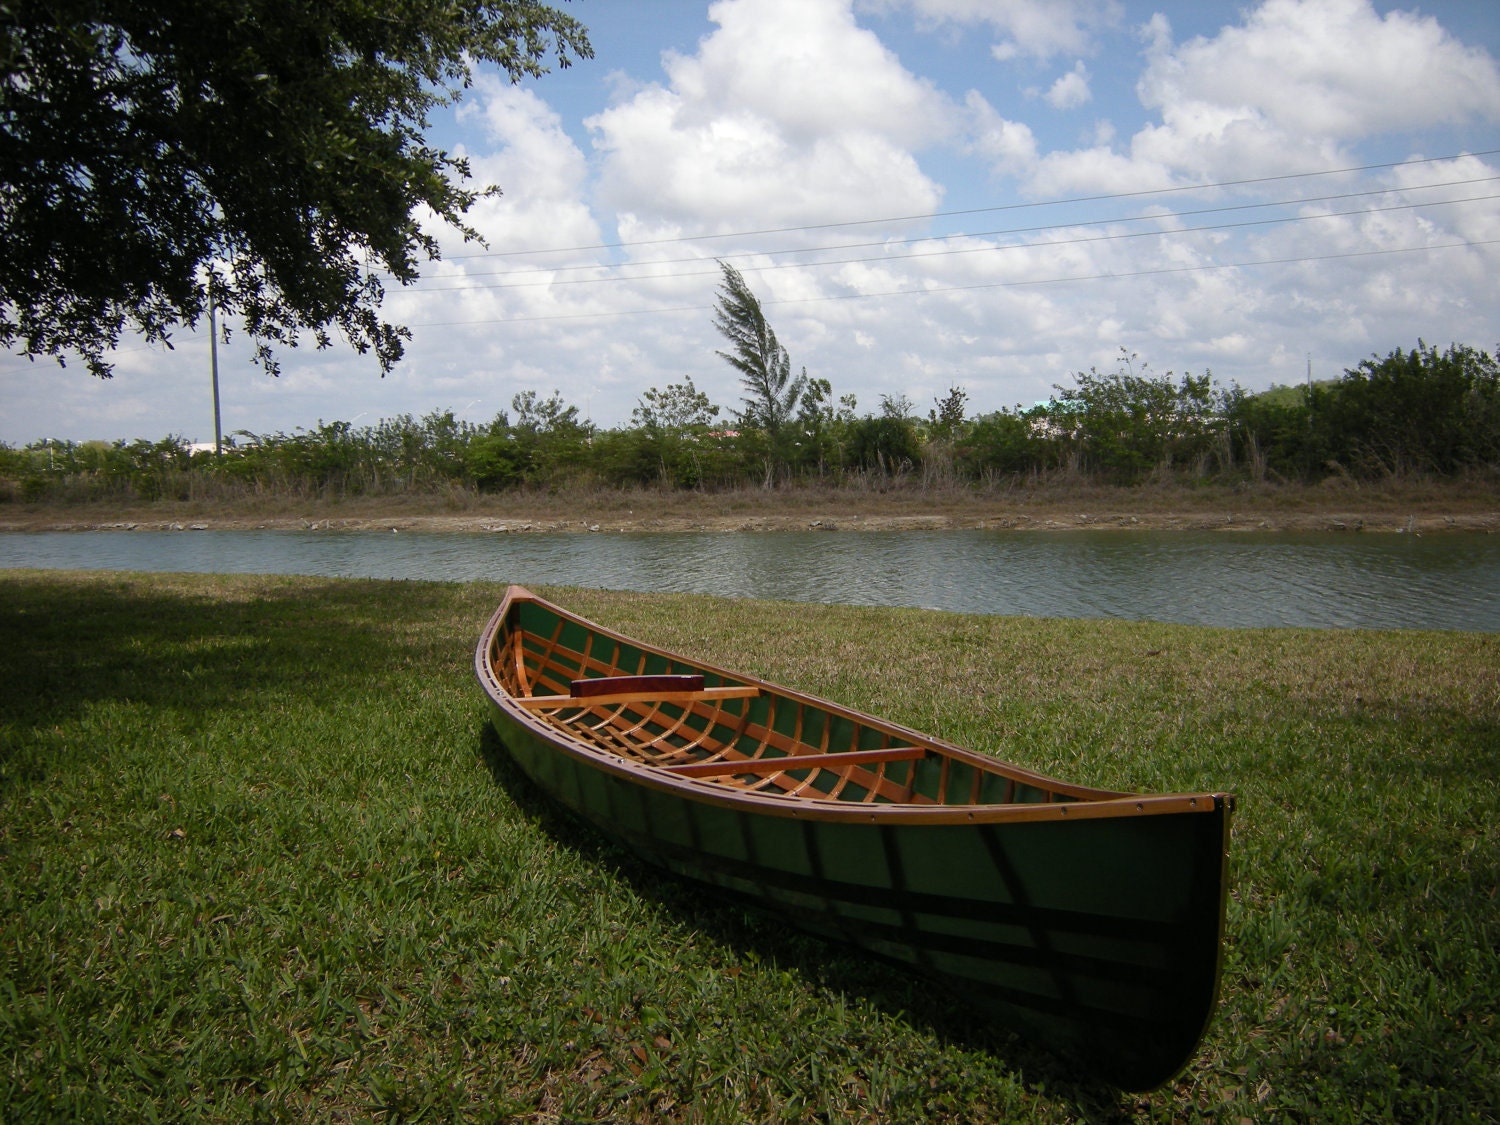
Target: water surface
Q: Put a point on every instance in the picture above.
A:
(1449, 581)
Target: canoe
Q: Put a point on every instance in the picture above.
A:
(1091, 921)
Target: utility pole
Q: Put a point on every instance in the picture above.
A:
(1309, 392)
(213, 362)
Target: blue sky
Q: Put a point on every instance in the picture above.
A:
(857, 131)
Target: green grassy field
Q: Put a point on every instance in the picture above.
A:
(260, 858)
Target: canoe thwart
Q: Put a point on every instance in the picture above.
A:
(797, 762)
(559, 702)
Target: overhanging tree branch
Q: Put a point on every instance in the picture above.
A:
(147, 145)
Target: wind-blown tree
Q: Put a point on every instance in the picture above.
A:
(268, 158)
(771, 394)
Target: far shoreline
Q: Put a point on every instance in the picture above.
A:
(1414, 508)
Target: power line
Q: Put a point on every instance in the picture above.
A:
(955, 251)
(552, 271)
(1142, 194)
(964, 288)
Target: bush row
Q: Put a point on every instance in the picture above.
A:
(1421, 412)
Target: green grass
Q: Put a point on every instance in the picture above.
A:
(260, 858)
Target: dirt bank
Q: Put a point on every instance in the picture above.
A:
(1350, 515)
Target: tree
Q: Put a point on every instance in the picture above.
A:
(1416, 411)
(823, 426)
(267, 158)
(947, 419)
(549, 436)
(1129, 424)
(673, 425)
(680, 409)
(771, 394)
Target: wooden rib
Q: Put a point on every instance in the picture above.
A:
(604, 741)
(547, 664)
(848, 758)
(822, 749)
(518, 657)
(793, 744)
(770, 736)
(838, 787)
(911, 785)
(617, 732)
(545, 657)
(655, 699)
(769, 728)
(785, 745)
(711, 721)
(608, 719)
(736, 732)
(641, 724)
(605, 734)
(670, 750)
(585, 658)
(807, 789)
(608, 740)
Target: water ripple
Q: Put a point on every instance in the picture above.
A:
(1241, 579)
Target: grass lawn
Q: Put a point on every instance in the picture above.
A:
(260, 857)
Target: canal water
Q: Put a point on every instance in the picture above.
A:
(1449, 581)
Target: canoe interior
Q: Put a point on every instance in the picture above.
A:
(538, 652)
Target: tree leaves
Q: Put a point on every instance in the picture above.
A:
(278, 148)
(771, 395)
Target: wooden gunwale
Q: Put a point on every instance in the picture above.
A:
(1079, 802)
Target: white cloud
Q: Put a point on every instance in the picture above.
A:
(788, 113)
(1071, 90)
(1010, 146)
(1298, 81)
(1329, 68)
(541, 172)
(1293, 86)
